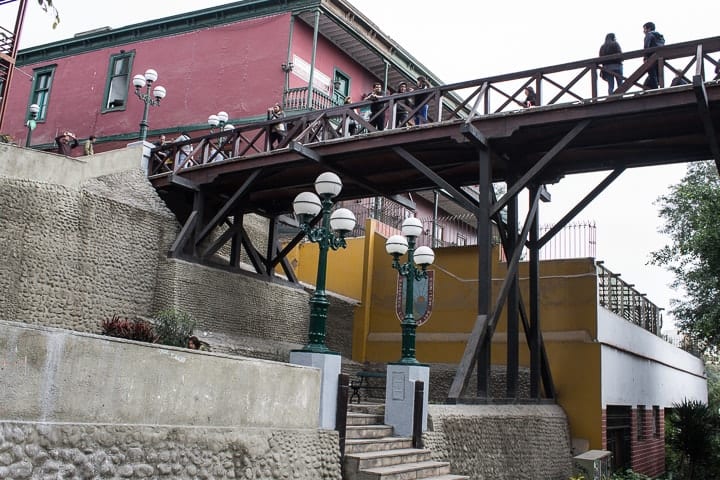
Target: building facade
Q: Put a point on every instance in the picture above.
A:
(239, 58)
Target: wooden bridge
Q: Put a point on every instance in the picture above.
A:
(478, 133)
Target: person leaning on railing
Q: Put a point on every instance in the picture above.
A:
(277, 131)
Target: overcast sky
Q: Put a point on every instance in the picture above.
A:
(466, 39)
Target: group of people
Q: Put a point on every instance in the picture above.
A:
(67, 140)
(612, 71)
(376, 113)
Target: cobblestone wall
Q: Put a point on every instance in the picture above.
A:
(501, 442)
(74, 257)
(40, 450)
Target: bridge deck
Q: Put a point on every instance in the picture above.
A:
(639, 129)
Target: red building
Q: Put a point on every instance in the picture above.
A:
(239, 58)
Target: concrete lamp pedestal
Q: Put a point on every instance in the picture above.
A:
(146, 147)
(400, 396)
(329, 365)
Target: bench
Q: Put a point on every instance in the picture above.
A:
(367, 381)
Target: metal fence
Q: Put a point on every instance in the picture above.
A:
(622, 299)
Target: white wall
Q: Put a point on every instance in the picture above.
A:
(639, 368)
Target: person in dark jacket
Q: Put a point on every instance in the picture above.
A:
(421, 116)
(612, 70)
(652, 39)
(377, 112)
(530, 97)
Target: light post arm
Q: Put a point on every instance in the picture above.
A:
(148, 97)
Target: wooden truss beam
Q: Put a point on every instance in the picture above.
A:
(704, 110)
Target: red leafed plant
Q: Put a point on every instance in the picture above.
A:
(136, 329)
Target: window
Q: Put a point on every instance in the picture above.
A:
(40, 93)
(118, 81)
(341, 87)
(641, 422)
(656, 421)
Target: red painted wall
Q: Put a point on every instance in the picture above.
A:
(235, 68)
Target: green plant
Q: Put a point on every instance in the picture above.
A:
(174, 327)
(692, 436)
(136, 329)
(628, 475)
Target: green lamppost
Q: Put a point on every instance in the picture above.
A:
(31, 123)
(423, 256)
(307, 206)
(158, 93)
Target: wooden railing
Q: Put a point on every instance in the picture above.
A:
(575, 82)
(297, 99)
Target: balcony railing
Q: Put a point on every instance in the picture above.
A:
(297, 99)
(622, 299)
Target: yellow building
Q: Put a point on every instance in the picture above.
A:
(614, 378)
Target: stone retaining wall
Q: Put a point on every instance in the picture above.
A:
(77, 254)
(501, 442)
(51, 450)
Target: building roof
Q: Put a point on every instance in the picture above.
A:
(338, 21)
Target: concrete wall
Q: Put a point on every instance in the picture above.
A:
(640, 368)
(81, 406)
(502, 442)
(55, 375)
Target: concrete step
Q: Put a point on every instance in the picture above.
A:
(368, 431)
(376, 444)
(370, 408)
(355, 419)
(406, 471)
(365, 460)
(449, 476)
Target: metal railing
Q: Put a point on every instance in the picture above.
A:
(622, 299)
(575, 82)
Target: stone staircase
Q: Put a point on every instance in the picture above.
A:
(372, 453)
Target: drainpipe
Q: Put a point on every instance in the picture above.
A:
(312, 62)
(289, 59)
(436, 200)
(385, 80)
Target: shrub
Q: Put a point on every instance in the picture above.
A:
(174, 327)
(136, 329)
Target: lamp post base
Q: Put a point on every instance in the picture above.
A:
(400, 396)
(329, 365)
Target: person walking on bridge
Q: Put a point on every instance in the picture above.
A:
(613, 69)
(652, 39)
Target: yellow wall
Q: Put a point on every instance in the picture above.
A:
(568, 316)
(344, 266)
